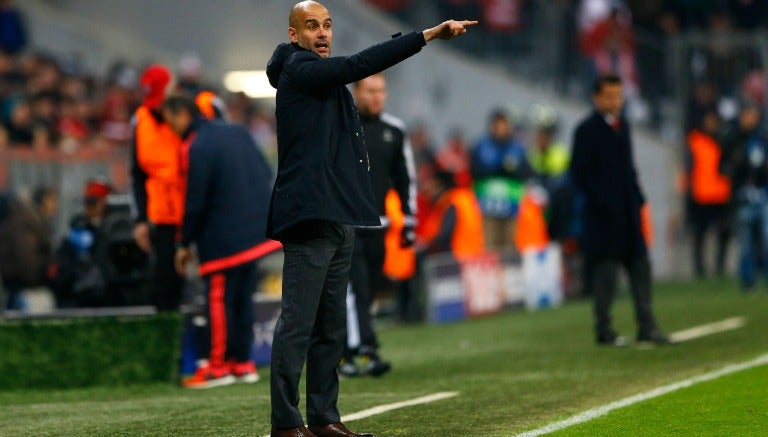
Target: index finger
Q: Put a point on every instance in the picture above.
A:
(468, 22)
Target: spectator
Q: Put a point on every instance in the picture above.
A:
(13, 33)
(499, 168)
(424, 160)
(608, 42)
(80, 270)
(454, 223)
(453, 156)
(709, 191)
(748, 151)
(117, 105)
(25, 244)
(502, 22)
(548, 158)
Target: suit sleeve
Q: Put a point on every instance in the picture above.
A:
(403, 175)
(582, 169)
(198, 190)
(138, 185)
(312, 73)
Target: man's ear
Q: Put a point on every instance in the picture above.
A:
(293, 35)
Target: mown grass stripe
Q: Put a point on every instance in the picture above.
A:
(708, 329)
(594, 413)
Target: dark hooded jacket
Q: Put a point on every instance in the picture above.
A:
(322, 161)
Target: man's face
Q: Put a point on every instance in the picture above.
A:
(749, 119)
(501, 129)
(312, 28)
(609, 100)
(95, 208)
(371, 95)
(179, 121)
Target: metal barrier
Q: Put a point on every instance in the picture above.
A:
(21, 170)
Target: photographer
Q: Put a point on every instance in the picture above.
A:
(97, 265)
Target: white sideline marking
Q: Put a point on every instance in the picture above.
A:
(397, 405)
(708, 329)
(381, 409)
(594, 413)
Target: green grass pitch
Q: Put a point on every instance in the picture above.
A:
(513, 372)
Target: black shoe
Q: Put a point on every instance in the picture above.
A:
(655, 337)
(348, 369)
(373, 365)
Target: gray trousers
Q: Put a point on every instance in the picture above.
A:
(312, 324)
(603, 284)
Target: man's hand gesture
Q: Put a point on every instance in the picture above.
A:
(448, 30)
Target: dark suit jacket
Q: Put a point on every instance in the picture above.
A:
(323, 166)
(603, 170)
(228, 189)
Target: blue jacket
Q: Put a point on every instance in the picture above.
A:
(228, 189)
(494, 159)
(323, 165)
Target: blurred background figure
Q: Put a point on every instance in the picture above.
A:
(748, 150)
(548, 157)
(391, 168)
(13, 32)
(98, 264)
(25, 243)
(79, 274)
(455, 222)
(454, 157)
(499, 168)
(604, 172)
(709, 191)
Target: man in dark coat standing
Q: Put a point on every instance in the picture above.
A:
(322, 191)
(225, 215)
(603, 170)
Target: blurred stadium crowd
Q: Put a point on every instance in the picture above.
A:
(52, 108)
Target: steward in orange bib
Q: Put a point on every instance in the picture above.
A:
(455, 222)
(709, 191)
(159, 181)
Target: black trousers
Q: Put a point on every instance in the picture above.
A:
(312, 324)
(166, 285)
(229, 309)
(366, 270)
(603, 286)
(704, 218)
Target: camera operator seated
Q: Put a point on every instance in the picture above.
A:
(87, 262)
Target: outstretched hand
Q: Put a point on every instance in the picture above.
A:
(448, 30)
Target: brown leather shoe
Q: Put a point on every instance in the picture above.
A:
(335, 430)
(301, 431)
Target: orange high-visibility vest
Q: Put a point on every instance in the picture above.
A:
(399, 262)
(467, 239)
(708, 185)
(531, 226)
(205, 101)
(158, 152)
